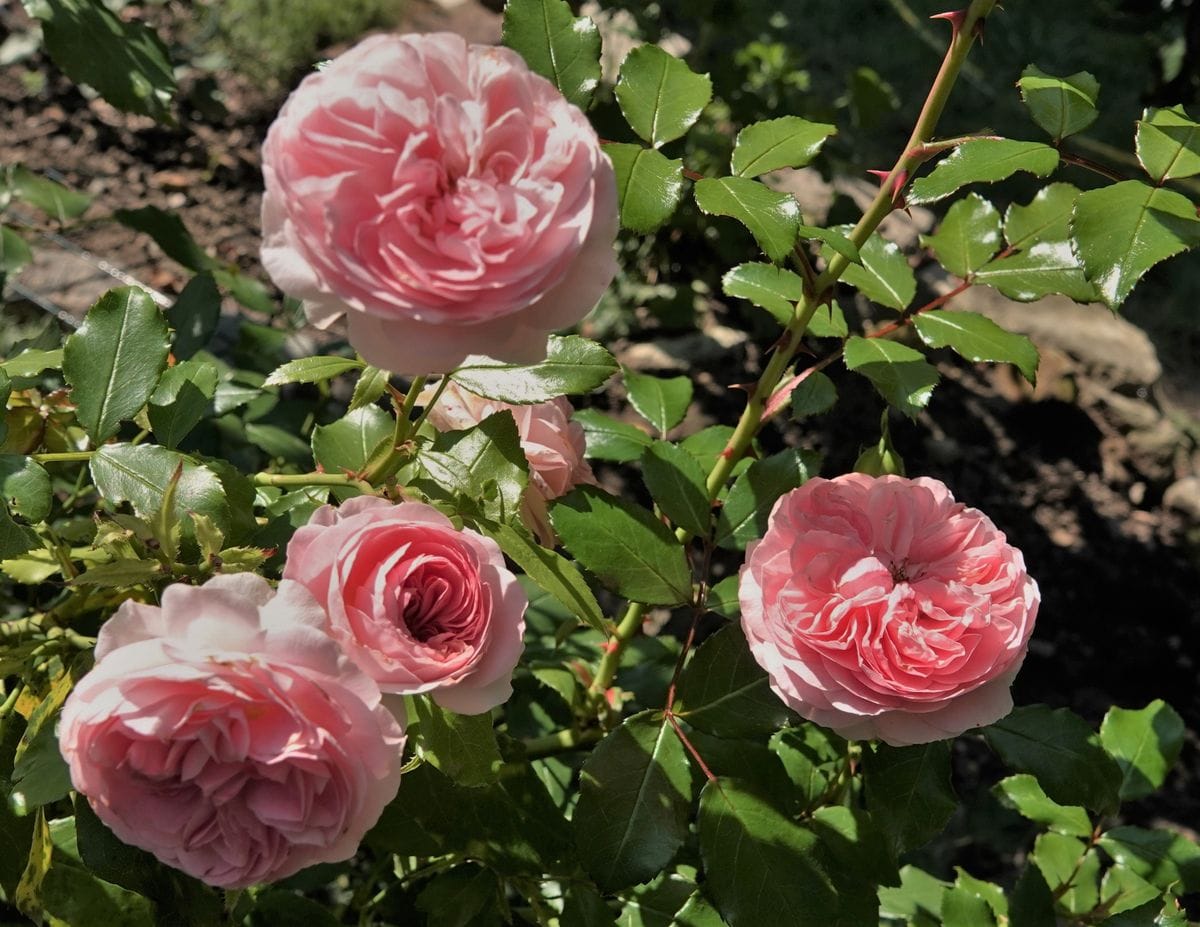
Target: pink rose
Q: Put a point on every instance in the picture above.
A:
(553, 444)
(420, 605)
(880, 607)
(227, 734)
(446, 196)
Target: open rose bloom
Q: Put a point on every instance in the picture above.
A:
(420, 605)
(882, 608)
(445, 197)
(227, 734)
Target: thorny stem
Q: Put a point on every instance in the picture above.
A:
(380, 470)
(311, 479)
(966, 26)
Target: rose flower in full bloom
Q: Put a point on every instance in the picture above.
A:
(420, 605)
(444, 196)
(882, 608)
(228, 734)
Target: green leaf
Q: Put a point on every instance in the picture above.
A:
(15, 539)
(114, 360)
(1046, 218)
(1160, 857)
(677, 485)
(1023, 793)
(660, 95)
(908, 792)
(828, 322)
(901, 375)
(982, 160)
(635, 791)
(72, 895)
(370, 386)
(1031, 904)
(1071, 870)
(775, 143)
(662, 401)
(1168, 144)
(723, 691)
(649, 185)
(140, 475)
(119, 574)
(772, 218)
(884, 275)
(40, 775)
(759, 863)
(608, 439)
(625, 547)
(279, 908)
(918, 900)
(1061, 105)
(573, 366)
(345, 446)
(30, 363)
(5, 393)
(169, 233)
(461, 746)
(484, 463)
(466, 896)
(182, 398)
(723, 598)
(697, 913)
(1046, 268)
(743, 516)
(1123, 230)
(124, 61)
(195, 316)
(553, 573)
(859, 858)
(1121, 890)
(962, 907)
(585, 907)
(14, 253)
(656, 904)
(835, 239)
(977, 338)
(25, 487)
(769, 287)
(555, 44)
(1144, 743)
(968, 237)
(312, 370)
(813, 759)
(813, 395)
(50, 197)
(1062, 752)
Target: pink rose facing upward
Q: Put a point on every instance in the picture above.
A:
(418, 604)
(452, 201)
(553, 444)
(227, 734)
(882, 608)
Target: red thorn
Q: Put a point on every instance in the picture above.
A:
(955, 18)
(882, 175)
(611, 646)
(319, 469)
(897, 187)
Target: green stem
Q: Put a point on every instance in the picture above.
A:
(384, 467)
(63, 456)
(311, 479)
(560, 742)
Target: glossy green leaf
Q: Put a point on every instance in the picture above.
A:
(836, 241)
(25, 487)
(15, 539)
(697, 912)
(14, 253)
(662, 401)
(484, 463)
(983, 160)
(554, 43)
(1123, 890)
(743, 516)
(1123, 230)
(625, 547)
(723, 598)
(884, 276)
(813, 758)
(1031, 904)
(962, 907)
(113, 361)
(141, 474)
(1160, 857)
(772, 218)
(660, 95)
(1046, 218)
(901, 375)
(40, 775)
(769, 287)
(977, 338)
(369, 387)
(124, 61)
(345, 446)
(608, 439)
(634, 795)
(1071, 870)
(677, 485)
(775, 143)
(1145, 744)
(1168, 144)
(120, 574)
(1024, 794)
(723, 691)
(859, 859)
(828, 322)
(759, 863)
(908, 791)
(1047, 268)
(312, 370)
(182, 398)
(52, 198)
(968, 237)
(195, 316)
(462, 746)
(585, 907)
(1061, 105)
(169, 233)
(917, 900)
(814, 395)
(1062, 752)
(657, 903)
(649, 185)
(31, 362)
(573, 366)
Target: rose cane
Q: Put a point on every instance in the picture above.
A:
(227, 734)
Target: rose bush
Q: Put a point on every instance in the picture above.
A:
(448, 199)
(882, 608)
(227, 734)
(418, 604)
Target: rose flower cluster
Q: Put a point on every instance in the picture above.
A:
(450, 202)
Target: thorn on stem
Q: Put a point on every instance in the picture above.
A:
(955, 18)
